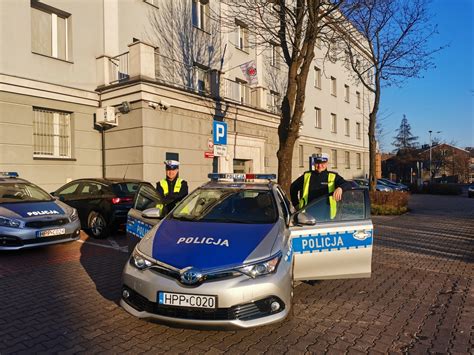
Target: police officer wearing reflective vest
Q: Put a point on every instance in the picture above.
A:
(313, 184)
(172, 189)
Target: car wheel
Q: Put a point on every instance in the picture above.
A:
(97, 225)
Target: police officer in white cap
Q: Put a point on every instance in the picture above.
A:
(316, 183)
(172, 189)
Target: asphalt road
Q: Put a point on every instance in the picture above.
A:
(420, 298)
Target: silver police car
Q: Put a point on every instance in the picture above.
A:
(228, 254)
(31, 217)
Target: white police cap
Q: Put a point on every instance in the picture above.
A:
(321, 158)
(171, 164)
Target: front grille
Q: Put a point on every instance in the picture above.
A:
(10, 241)
(47, 223)
(244, 312)
(173, 274)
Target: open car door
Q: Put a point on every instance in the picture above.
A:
(138, 225)
(334, 248)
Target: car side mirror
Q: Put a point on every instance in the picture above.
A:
(152, 213)
(302, 218)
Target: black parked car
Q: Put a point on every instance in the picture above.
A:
(102, 204)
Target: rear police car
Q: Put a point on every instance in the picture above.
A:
(228, 253)
(30, 217)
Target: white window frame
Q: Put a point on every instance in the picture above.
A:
(201, 75)
(347, 159)
(359, 160)
(318, 118)
(347, 127)
(358, 99)
(333, 86)
(346, 93)
(358, 130)
(317, 78)
(333, 158)
(244, 91)
(274, 55)
(201, 10)
(47, 139)
(55, 14)
(333, 123)
(242, 36)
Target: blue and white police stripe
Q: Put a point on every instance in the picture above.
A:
(332, 239)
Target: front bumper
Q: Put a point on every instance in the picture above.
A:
(15, 239)
(242, 302)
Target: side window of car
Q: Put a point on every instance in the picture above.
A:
(350, 208)
(92, 189)
(147, 197)
(68, 190)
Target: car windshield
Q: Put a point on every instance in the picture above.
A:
(227, 206)
(22, 192)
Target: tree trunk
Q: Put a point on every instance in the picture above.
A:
(372, 140)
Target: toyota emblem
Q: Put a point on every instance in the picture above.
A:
(191, 276)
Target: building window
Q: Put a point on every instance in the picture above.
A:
(301, 156)
(358, 99)
(200, 11)
(244, 91)
(346, 93)
(275, 55)
(346, 127)
(333, 86)
(333, 123)
(50, 31)
(334, 158)
(201, 75)
(318, 123)
(347, 160)
(358, 132)
(242, 35)
(317, 77)
(273, 101)
(359, 161)
(51, 133)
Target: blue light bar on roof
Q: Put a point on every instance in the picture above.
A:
(8, 173)
(241, 177)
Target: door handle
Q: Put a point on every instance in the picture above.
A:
(362, 234)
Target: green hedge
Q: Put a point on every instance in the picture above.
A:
(388, 203)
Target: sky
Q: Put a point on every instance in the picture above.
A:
(443, 99)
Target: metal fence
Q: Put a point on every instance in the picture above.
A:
(51, 134)
(119, 68)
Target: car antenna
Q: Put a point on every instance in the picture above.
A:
(125, 173)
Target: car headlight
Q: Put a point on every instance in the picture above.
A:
(10, 222)
(262, 268)
(140, 261)
(74, 216)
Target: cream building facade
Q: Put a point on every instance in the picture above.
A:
(167, 71)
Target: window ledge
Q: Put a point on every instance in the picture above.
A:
(54, 158)
(201, 29)
(48, 56)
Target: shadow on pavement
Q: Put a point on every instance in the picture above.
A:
(104, 264)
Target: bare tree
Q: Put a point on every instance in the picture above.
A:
(293, 25)
(397, 33)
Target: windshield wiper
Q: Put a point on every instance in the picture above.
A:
(184, 218)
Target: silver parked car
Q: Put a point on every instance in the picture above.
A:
(228, 254)
(31, 217)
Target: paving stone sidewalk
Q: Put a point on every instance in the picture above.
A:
(420, 299)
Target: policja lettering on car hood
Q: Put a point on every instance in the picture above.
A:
(207, 245)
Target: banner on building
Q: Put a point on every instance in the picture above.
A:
(249, 69)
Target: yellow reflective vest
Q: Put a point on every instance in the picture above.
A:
(331, 188)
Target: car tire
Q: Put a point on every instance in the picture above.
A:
(97, 225)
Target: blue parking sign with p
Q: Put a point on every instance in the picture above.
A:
(219, 132)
